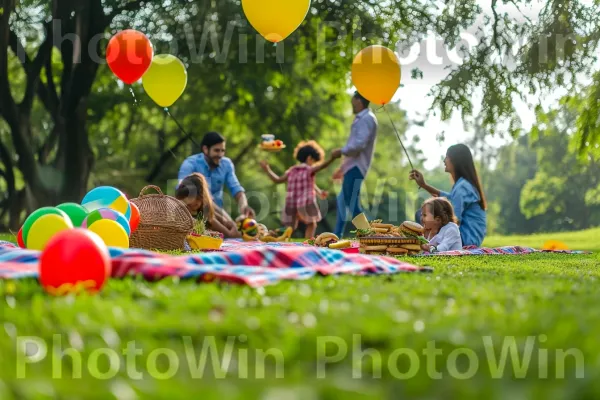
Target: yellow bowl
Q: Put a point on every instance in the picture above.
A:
(204, 242)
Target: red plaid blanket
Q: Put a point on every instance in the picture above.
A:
(254, 267)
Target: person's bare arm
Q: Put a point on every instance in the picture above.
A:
(225, 225)
(325, 164)
(274, 177)
(418, 177)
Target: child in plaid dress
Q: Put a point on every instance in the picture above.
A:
(301, 198)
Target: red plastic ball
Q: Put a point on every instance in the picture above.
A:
(73, 260)
(20, 238)
(134, 221)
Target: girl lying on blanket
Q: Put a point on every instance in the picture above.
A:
(440, 222)
(193, 191)
(301, 198)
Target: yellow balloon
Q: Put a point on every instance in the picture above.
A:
(275, 19)
(165, 80)
(44, 229)
(376, 74)
(111, 233)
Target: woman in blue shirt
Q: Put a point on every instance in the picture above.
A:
(467, 195)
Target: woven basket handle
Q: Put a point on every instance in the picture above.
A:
(151, 187)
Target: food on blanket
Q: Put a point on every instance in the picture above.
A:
(387, 227)
(411, 229)
(202, 238)
(376, 250)
(361, 222)
(272, 235)
(262, 230)
(325, 239)
(342, 244)
(411, 247)
(397, 251)
(248, 226)
(363, 232)
(60, 265)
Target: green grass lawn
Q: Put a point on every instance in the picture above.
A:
(425, 336)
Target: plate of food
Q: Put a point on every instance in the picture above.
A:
(202, 238)
(271, 145)
(332, 241)
(378, 238)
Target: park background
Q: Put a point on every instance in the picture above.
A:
(524, 96)
(70, 126)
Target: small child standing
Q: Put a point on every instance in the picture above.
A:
(301, 198)
(439, 220)
(193, 191)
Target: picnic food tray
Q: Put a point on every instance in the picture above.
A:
(386, 240)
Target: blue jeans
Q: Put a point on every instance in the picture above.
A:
(348, 200)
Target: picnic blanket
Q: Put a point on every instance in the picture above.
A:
(253, 267)
(507, 250)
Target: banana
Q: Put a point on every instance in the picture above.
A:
(248, 238)
(286, 235)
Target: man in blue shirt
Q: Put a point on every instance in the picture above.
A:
(218, 171)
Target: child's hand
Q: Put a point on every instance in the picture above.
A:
(336, 154)
(264, 165)
(425, 247)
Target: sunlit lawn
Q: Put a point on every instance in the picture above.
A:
(302, 327)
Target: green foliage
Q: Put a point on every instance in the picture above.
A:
(528, 57)
(541, 181)
(541, 195)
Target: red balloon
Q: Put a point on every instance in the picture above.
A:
(129, 55)
(134, 221)
(20, 238)
(74, 259)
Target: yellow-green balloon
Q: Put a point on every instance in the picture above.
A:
(165, 80)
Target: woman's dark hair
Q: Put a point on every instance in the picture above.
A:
(464, 167)
(211, 139)
(194, 187)
(309, 148)
(442, 208)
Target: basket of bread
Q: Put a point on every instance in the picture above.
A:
(378, 238)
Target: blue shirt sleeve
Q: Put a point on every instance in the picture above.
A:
(187, 168)
(462, 196)
(232, 181)
(359, 137)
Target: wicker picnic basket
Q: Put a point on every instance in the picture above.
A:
(165, 222)
(386, 240)
(387, 243)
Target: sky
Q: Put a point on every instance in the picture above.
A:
(413, 94)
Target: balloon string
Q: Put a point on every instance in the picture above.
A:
(135, 102)
(181, 129)
(399, 139)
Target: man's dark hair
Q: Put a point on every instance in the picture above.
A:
(306, 151)
(364, 101)
(211, 139)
